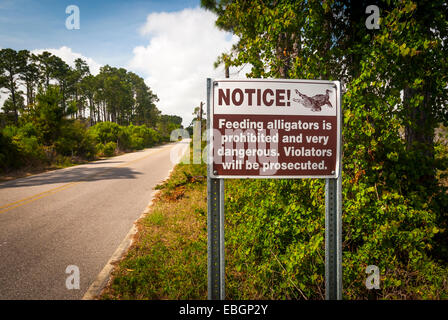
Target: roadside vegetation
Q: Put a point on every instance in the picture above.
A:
(394, 168)
(274, 248)
(57, 116)
(168, 259)
(395, 94)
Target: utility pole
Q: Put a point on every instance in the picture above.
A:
(200, 113)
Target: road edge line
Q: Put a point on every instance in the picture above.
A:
(103, 278)
(97, 286)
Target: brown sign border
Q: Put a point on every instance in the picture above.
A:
(337, 86)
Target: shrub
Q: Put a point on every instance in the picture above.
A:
(26, 143)
(126, 138)
(275, 233)
(75, 140)
(105, 132)
(109, 149)
(138, 137)
(9, 155)
(23, 145)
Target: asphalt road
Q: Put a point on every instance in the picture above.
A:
(74, 216)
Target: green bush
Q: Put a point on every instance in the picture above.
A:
(105, 132)
(109, 148)
(141, 137)
(9, 155)
(391, 219)
(24, 145)
(75, 140)
(275, 231)
(25, 141)
(127, 138)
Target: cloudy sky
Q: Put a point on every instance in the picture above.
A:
(171, 44)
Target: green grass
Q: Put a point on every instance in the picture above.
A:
(168, 259)
(157, 218)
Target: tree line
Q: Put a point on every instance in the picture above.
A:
(55, 113)
(115, 94)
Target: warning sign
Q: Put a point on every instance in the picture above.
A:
(275, 128)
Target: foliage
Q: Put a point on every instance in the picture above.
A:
(8, 153)
(12, 63)
(49, 139)
(114, 94)
(275, 234)
(48, 115)
(76, 140)
(22, 146)
(60, 102)
(126, 138)
(166, 124)
(104, 132)
(394, 208)
(139, 137)
(107, 149)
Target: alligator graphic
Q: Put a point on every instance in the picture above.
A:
(315, 102)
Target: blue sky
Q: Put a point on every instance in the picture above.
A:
(106, 26)
(171, 44)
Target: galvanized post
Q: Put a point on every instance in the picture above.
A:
(333, 241)
(333, 228)
(215, 223)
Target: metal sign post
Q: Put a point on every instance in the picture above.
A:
(216, 274)
(215, 225)
(274, 128)
(333, 239)
(333, 233)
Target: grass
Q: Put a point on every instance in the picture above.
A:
(168, 259)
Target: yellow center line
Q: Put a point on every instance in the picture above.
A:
(36, 195)
(47, 193)
(23, 202)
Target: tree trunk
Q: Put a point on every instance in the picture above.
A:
(98, 112)
(13, 96)
(419, 133)
(282, 52)
(29, 93)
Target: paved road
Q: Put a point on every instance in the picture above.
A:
(74, 216)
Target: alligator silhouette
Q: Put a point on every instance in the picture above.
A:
(315, 102)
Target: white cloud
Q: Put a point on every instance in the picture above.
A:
(66, 54)
(182, 48)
